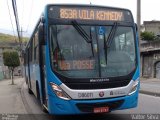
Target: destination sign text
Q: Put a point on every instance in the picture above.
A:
(91, 14)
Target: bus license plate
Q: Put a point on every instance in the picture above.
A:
(101, 110)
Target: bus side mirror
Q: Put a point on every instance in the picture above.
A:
(41, 35)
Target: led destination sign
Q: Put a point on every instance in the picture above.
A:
(91, 14)
(76, 65)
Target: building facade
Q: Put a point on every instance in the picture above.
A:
(150, 59)
(152, 26)
(150, 51)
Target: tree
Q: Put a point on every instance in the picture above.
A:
(148, 36)
(11, 59)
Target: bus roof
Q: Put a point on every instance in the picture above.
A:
(87, 12)
(77, 6)
(87, 5)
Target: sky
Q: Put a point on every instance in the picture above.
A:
(30, 10)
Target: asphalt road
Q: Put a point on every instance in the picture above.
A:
(148, 105)
(14, 99)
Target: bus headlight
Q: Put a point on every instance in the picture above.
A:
(134, 87)
(59, 92)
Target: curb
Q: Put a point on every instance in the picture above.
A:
(150, 93)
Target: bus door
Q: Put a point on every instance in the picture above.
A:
(43, 75)
(28, 66)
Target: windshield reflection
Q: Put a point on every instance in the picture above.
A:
(73, 56)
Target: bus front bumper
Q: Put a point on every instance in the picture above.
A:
(59, 106)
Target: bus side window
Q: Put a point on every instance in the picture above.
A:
(33, 44)
(30, 53)
(36, 48)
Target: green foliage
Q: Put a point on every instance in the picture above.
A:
(148, 36)
(5, 38)
(11, 59)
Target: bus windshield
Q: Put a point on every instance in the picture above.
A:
(72, 56)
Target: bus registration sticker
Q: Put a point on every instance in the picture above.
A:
(101, 110)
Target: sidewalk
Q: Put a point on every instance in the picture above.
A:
(10, 97)
(150, 86)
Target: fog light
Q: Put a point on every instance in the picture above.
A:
(134, 87)
(59, 92)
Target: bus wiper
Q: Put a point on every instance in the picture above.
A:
(91, 42)
(111, 35)
(107, 42)
(81, 31)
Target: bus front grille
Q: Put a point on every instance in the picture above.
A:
(101, 85)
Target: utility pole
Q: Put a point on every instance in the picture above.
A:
(14, 5)
(139, 17)
(138, 25)
(21, 50)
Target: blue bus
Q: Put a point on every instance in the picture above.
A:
(83, 59)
